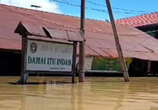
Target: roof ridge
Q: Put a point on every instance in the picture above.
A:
(156, 12)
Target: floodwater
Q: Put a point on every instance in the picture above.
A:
(97, 93)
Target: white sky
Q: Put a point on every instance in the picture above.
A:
(45, 5)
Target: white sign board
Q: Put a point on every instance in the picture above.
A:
(49, 56)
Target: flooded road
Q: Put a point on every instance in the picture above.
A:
(94, 94)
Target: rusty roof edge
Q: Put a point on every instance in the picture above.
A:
(147, 25)
(21, 29)
(49, 33)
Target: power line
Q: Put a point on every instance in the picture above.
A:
(116, 8)
(67, 3)
(89, 8)
(76, 5)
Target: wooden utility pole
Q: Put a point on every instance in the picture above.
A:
(82, 44)
(117, 43)
(74, 62)
(24, 75)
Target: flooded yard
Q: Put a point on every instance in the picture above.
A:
(97, 93)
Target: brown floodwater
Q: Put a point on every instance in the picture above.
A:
(97, 93)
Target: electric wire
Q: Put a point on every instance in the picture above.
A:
(116, 9)
(122, 9)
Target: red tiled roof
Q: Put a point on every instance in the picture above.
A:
(99, 36)
(142, 20)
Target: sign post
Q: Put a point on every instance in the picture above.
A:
(47, 57)
(74, 62)
(24, 75)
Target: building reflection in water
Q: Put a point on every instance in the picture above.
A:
(95, 94)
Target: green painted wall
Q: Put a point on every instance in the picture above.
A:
(108, 64)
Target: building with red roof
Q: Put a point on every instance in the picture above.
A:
(100, 45)
(147, 23)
